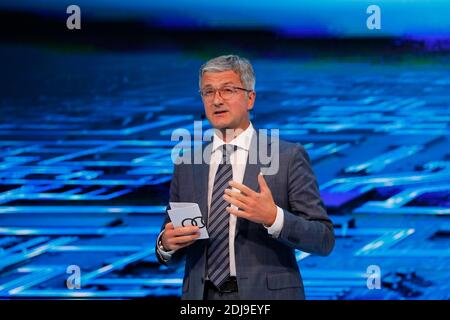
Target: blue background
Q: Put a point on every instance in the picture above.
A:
(87, 116)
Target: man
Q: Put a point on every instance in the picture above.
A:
(254, 222)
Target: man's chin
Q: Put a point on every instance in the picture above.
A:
(221, 125)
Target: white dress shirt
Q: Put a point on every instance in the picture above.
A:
(238, 162)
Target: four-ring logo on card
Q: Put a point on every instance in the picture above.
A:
(196, 222)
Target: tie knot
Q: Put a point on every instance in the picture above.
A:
(227, 150)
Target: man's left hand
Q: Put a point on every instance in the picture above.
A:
(253, 206)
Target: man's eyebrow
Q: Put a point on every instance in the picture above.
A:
(224, 84)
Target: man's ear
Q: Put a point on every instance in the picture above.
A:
(251, 100)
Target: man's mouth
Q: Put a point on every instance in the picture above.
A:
(220, 112)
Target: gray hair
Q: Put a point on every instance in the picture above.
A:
(231, 62)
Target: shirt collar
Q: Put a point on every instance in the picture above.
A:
(241, 141)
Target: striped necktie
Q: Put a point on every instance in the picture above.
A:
(218, 222)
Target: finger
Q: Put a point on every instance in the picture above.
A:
(237, 195)
(262, 183)
(243, 188)
(235, 202)
(184, 239)
(237, 213)
(169, 226)
(181, 231)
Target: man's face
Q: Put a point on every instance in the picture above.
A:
(230, 113)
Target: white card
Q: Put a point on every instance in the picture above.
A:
(183, 214)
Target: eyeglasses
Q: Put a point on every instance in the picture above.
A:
(226, 92)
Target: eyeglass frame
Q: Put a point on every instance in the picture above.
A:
(225, 86)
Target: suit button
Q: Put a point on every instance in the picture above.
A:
(203, 280)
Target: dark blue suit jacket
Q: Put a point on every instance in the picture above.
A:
(266, 267)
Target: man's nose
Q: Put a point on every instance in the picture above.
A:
(217, 99)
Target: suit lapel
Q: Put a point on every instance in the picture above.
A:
(201, 177)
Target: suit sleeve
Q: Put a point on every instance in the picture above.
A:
(177, 257)
(306, 223)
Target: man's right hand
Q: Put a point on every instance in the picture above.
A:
(179, 237)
